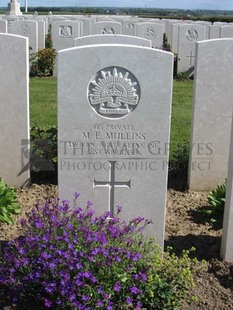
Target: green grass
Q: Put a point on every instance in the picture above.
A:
(43, 108)
(181, 113)
(43, 102)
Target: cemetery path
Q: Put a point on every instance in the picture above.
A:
(186, 227)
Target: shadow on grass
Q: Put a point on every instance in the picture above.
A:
(44, 177)
(177, 179)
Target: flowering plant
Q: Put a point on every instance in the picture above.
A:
(69, 259)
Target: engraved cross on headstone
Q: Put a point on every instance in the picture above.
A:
(191, 57)
(111, 184)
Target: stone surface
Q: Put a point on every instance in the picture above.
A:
(226, 31)
(27, 29)
(14, 8)
(212, 114)
(64, 32)
(206, 25)
(174, 35)
(128, 26)
(188, 36)
(14, 110)
(214, 32)
(227, 240)
(87, 24)
(112, 39)
(106, 27)
(3, 26)
(41, 33)
(113, 129)
(151, 31)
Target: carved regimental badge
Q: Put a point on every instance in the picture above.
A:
(107, 30)
(114, 92)
(65, 31)
(25, 29)
(150, 32)
(192, 34)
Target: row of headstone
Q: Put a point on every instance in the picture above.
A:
(105, 151)
(182, 35)
(65, 31)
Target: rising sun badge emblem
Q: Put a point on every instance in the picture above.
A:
(113, 92)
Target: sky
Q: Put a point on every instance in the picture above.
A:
(176, 4)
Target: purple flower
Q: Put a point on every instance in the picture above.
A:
(85, 298)
(117, 287)
(100, 289)
(89, 203)
(134, 290)
(39, 224)
(99, 303)
(48, 303)
(76, 195)
(119, 209)
(129, 300)
(139, 305)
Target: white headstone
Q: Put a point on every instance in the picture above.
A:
(212, 114)
(41, 33)
(27, 29)
(167, 27)
(113, 120)
(226, 31)
(87, 24)
(188, 36)
(128, 27)
(174, 35)
(105, 27)
(151, 31)
(206, 25)
(14, 110)
(214, 32)
(227, 240)
(64, 32)
(3, 26)
(112, 39)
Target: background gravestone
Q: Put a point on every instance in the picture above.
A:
(112, 39)
(14, 110)
(226, 31)
(106, 27)
(113, 129)
(151, 31)
(128, 26)
(64, 32)
(214, 32)
(27, 29)
(41, 33)
(212, 114)
(3, 26)
(188, 36)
